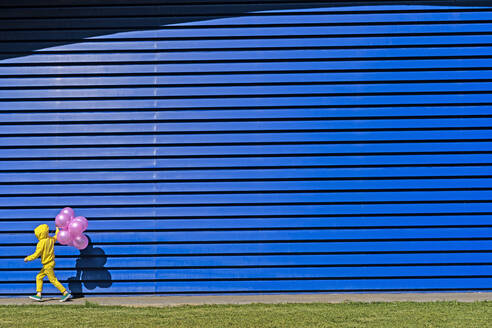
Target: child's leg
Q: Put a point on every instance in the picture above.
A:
(50, 272)
(39, 281)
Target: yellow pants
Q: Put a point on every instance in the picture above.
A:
(48, 270)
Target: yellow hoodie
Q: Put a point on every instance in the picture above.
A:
(46, 245)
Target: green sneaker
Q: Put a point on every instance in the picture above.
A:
(66, 297)
(36, 298)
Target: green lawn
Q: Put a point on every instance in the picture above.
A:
(398, 314)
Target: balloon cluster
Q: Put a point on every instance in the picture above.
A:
(71, 229)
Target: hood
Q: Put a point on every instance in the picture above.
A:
(42, 231)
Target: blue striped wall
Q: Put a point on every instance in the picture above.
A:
(242, 147)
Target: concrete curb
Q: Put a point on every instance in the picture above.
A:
(160, 301)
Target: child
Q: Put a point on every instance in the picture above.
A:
(46, 249)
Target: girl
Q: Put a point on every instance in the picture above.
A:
(46, 249)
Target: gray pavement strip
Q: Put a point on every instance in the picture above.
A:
(159, 301)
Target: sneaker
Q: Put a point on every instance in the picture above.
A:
(36, 298)
(66, 297)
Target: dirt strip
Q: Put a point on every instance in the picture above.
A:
(247, 299)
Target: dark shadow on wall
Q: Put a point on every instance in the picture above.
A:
(91, 272)
(152, 15)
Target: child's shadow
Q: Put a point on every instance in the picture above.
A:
(90, 271)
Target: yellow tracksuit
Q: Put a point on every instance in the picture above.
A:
(46, 249)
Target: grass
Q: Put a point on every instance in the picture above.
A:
(397, 314)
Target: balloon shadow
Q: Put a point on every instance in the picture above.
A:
(91, 272)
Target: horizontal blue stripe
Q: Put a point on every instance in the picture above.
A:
(260, 249)
(100, 117)
(234, 67)
(281, 210)
(247, 90)
(253, 102)
(239, 78)
(265, 31)
(329, 137)
(281, 162)
(257, 198)
(385, 9)
(286, 126)
(252, 31)
(348, 18)
(247, 150)
(242, 260)
(292, 273)
(237, 43)
(360, 173)
(280, 235)
(404, 47)
(245, 186)
(269, 286)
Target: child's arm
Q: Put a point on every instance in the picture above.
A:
(36, 254)
(56, 233)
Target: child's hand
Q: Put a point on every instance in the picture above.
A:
(25, 259)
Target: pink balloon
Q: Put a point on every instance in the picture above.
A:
(80, 242)
(62, 220)
(83, 220)
(68, 211)
(64, 237)
(76, 227)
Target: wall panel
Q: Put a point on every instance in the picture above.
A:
(248, 147)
